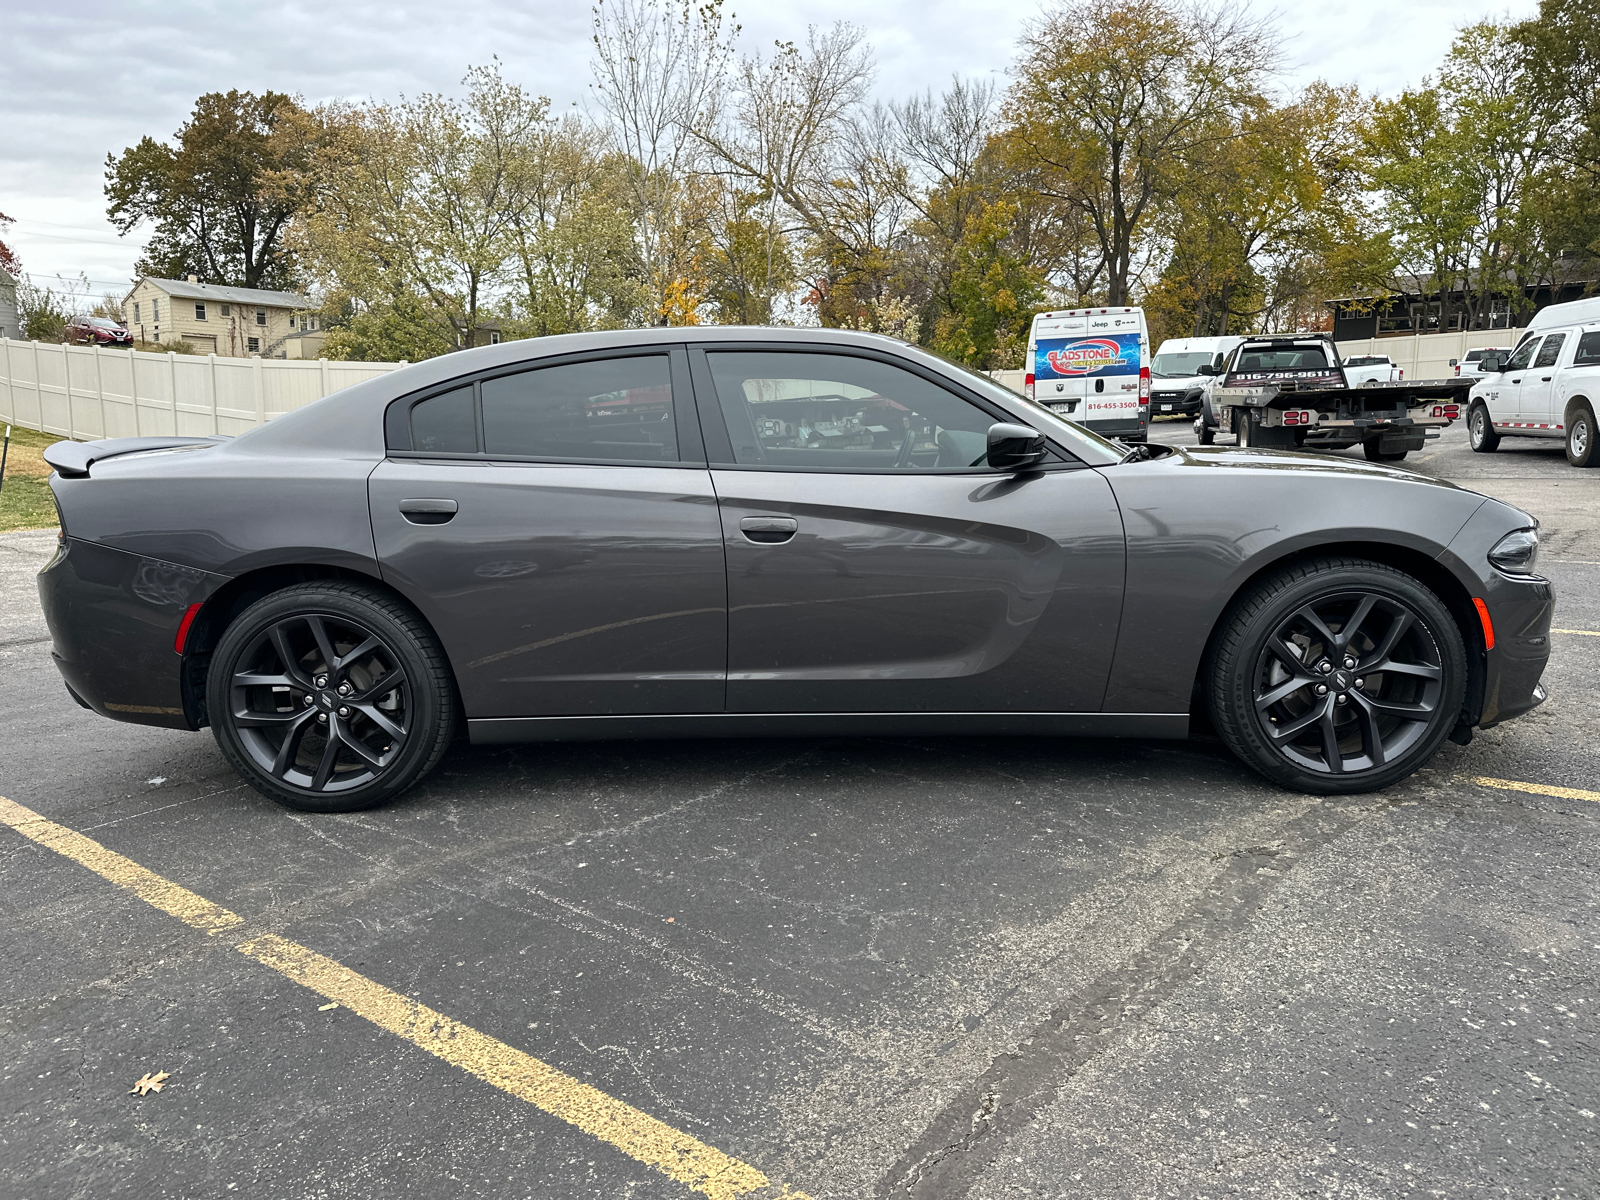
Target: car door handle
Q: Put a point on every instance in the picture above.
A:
(768, 531)
(1545, 378)
(427, 511)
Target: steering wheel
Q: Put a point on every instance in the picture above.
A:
(904, 459)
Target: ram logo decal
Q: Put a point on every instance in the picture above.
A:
(1086, 357)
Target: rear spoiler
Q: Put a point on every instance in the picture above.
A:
(72, 459)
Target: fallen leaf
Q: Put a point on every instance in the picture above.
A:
(150, 1083)
(326, 1007)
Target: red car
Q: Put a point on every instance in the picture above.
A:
(98, 331)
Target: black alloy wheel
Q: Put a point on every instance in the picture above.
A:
(1338, 676)
(330, 698)
(1481, 435)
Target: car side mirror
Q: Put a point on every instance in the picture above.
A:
(1015, 447)
(1492, 364)
(1206, 369)
(1453, 362)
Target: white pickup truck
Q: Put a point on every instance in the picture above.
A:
(1548, 387)
(1368, 370)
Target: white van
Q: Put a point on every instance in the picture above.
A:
(1176, 385)
(1092, 365)
(1548, 387)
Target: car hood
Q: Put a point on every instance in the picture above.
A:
(1321, 465)
(1176, 383)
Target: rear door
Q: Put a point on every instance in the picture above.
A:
(1094, 359)
(556, 525)
(872, 567)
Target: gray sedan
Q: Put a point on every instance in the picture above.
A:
(714, 532)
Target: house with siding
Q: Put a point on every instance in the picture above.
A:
(213, 319)
(10, 323)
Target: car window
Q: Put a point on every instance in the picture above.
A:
(614, 409)
(446, 424)
(1175, 364)
(1286, 358)
(836, 412)
(1473, 356)
(1588, 352)
(1523, 356)
(1550, 351)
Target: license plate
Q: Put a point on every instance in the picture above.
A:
(1166, 408)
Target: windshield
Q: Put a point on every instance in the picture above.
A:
(1175, 365)
(102, 323)
(1369, 361)
(1090, 447)
(1281, 358)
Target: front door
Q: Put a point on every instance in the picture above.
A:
(1538, 389)
(555, 528)
(875, 564)
(1505, 397)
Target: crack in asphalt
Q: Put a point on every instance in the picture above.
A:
(960, 1144)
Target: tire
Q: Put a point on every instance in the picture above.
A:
(1582, 450)
(1370, 449)
(390, 729)
(1268, 660)
(1480, 430)
(1242, 428)
(1206, 435)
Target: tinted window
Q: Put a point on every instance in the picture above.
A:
(1283, 358)
(1588, 354)
(1523, 356)
(1550, 351)
(1175, 364)
(446, 424)
(840, 413)
(611, 408)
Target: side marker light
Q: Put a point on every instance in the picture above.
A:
(183, 628)
(1488, 625)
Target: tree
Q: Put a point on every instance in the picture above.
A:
(222, 199)
(658, 67)
(1113, 101)
(9, 262)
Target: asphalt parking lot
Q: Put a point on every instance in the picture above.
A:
(922, 967)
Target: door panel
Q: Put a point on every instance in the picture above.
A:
(920, 593)
(1538, 389)
(562, 590)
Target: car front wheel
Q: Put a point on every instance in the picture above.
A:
(1480, 430)
(328, 697)
(1337, 676)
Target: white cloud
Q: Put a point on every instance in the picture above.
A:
(88, 79)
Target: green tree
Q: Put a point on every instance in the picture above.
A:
(1113, 102)
(222, 199)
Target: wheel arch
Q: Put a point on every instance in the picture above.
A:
(225, 605)
(1572, 405)
(1452, 593)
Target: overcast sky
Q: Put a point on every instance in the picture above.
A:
(78, 81)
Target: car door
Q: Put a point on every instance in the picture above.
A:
(876, 564)
(555, 523)
(1504, 393)
(1537, 393)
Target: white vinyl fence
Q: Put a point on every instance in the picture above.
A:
(86, 393)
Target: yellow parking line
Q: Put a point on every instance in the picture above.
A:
(1581, 632)
(1538, 789)
(637, 1134)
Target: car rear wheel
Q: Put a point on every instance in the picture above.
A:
(328, 697)
(1581, 448)
(1337, 676)
(1480, 430)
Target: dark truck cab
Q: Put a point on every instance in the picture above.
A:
(1289, 392)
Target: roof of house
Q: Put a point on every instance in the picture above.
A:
(185, 290)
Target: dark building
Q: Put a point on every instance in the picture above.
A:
(1412, 309)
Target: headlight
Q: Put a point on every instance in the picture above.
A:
(1516, 553)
